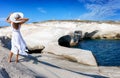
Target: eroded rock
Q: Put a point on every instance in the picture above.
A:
(78, 55)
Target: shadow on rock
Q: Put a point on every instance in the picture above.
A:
(64, 40)
(31, 51)
(36, 61)
(89, 75)
(3, 73)
(5, 42)
(31, 58)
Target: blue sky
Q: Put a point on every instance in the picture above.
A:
(41, 10)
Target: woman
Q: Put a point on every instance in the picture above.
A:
(18, 44)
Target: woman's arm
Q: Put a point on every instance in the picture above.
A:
(7, 19)
(23, 20)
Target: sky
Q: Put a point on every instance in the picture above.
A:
(42, 10)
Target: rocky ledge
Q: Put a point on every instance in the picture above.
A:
(44, 34)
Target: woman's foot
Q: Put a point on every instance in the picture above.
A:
(16, 61)
(9, 61)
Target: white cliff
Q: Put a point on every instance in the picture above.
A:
(40, 35)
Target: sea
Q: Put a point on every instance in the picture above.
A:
(106, 52)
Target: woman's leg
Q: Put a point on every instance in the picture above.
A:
(10, 56)
(17, 58)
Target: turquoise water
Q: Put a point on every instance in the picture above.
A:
(106, 52)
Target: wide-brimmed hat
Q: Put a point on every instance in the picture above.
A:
(15, 15)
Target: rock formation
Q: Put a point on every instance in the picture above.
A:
(45, 35)
(70, 40)
(39, 35)
(76, 55)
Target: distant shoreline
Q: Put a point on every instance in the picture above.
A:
(85, 21)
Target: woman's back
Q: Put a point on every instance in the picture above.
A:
(15, 26)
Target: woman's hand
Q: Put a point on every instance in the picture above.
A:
(23, 20)
(7, 19)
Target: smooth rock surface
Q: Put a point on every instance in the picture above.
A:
(77, 55)
(51, 66)
(38, 37)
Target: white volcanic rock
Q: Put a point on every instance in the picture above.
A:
(6, 31)
(13, 70)
(105, 30)
(77, 55)
(40, 35)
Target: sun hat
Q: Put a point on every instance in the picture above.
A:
(14, 15)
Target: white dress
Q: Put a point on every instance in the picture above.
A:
(18, 44)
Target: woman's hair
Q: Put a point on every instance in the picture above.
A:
(17, 16)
